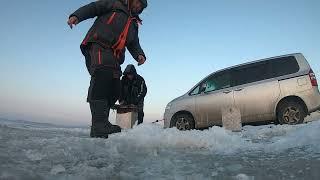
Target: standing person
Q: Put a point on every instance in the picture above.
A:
(114, 30)
(133, 90)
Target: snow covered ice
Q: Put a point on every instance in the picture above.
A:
(150, 152)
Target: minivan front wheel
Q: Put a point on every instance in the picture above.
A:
(291, 112)
(184, 122)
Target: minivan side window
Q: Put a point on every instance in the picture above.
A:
(195, 91)
(217, 81)
(283, 66)
(264, 70)
(251, 73)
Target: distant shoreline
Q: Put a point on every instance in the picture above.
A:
(33, 123)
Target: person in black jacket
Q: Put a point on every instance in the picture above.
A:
(133, 90)
(114, 30)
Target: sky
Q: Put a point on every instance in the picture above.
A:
(43, 76)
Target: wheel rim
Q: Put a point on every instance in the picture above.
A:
(291, 115)
(183, 124)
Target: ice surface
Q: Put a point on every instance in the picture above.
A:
(150, 152)
(244, 177)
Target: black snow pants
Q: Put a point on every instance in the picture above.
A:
(103, 92)
(140, 116)
(104, 86)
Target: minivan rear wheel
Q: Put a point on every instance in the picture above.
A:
(291, 112)
(184, 122)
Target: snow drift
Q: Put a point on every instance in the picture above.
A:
(150, 152)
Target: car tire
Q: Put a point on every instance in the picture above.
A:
(184, 122)
(291, 112)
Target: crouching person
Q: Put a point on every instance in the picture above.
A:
(133, 90)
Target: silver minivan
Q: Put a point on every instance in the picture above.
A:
(282, 89)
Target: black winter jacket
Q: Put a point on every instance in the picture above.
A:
(112, 16)
(133, 91)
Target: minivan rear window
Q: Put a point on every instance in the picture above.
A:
(284, 66)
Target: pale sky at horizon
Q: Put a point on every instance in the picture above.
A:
(43, 75)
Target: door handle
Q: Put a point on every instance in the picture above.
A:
(227, 91)
(239, 89)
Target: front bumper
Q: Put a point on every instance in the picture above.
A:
(167, 118)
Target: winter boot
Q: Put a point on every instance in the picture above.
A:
(112, 128)
(99, 112)
(96, 132)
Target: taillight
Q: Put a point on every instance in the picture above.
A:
(313, 78)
